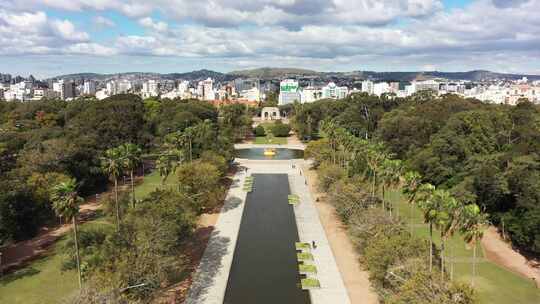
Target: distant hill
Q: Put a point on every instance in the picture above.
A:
(271, 73)
(192, 76)
(282, 73)
(470, 75)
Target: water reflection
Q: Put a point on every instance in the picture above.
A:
(258, 153)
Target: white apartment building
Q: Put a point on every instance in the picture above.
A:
(288, 92)
(40, 93)
(89, 87)
(310, 94)
(150, 88)
(426, 85)
(123, 86)
(331, 90)
(64, 89)
(205, 89)
(381, 88)
(111, 88)
(252, 94)
(183, 86)
(102, 94)
(21, 91)
(367, 86)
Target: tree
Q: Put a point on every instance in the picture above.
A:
(131, 156)
(66, 203)
(112, 164)
(411, 188)
(446, 219)
(429, 209)
(164, 166)
(473, 226)
(390, 177)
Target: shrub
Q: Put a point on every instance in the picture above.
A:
(329, 174)
(280, 129)
(259, 131)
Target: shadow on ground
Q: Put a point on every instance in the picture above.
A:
(208, 268)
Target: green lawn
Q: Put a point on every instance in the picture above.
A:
(152, 182)
(263, 140)
(493, 283)
(43, 281)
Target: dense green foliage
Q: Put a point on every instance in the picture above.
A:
(482, 153)
(279, 129)
(44, 142)
(259, 131)
(354, 172)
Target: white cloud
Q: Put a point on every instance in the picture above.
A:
(102, 22)
(159, 26)
(35, 33)
(89, 49)
(66, 30)
(393, 33)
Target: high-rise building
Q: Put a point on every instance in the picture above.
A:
(252, 94)
(331, 90)
(288, 92)
(89, 87)
(111, 88)
(310, 94)
(123, 86)
(150, 88)
(380, 88)
(367, 86)
(64, 89)
(208, 89)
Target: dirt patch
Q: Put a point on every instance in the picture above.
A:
(356, 280)
(501, 253)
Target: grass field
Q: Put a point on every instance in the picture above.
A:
(263, 140)
(42, 282)
(494, 284)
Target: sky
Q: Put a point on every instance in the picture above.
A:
(53, 37)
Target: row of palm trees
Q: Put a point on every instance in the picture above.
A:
(117, 161)
(66, 200)
(439, 208)
(178, 147)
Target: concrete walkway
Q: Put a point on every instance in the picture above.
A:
(310, 229)
(210, 280)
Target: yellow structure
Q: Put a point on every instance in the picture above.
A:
(269, 152)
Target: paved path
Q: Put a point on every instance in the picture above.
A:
(310, 229)
(210, 280)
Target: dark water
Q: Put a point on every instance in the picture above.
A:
(264, 269)
(258, 153)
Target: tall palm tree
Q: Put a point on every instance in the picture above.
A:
(374, 156)
(131, 156)
(426, 202)
(164, 166)
(412, 184)
(328, 129)
(112, 163)
(390, 176)
(446, 219)
(473, 225)
(66, 203)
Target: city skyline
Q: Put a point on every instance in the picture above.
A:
(54, 37)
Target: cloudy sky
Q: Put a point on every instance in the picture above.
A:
(51, 37)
